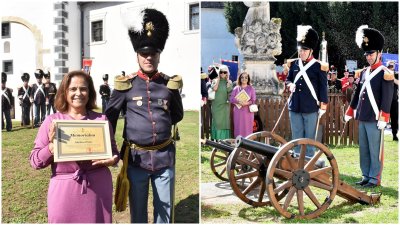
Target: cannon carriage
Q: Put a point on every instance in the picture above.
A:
(263, 170)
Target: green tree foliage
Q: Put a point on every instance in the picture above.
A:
(339, 21)
(234, 12)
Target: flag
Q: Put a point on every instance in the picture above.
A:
(233, 67)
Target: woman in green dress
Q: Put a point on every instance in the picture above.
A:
(220, 107)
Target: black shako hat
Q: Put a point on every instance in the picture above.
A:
(39, 74)
(148, 31)
(25, 77)
(3, 77)
(105, 77)
(46, 74)
(369, 39)
(307, 37)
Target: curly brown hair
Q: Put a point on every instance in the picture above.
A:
(61, 103)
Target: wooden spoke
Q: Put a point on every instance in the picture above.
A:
(311, 163)
(289, 197)
(283, 173)
(311, 195)
(219, 164)
(302, 156)
(247, 175)
(221, 156)
(262, 190)
(245, 161)
(251, 186)
(300, 201)
(290, 160)
(222, 171)
(320, 185)
(283, 186)
(317, 172)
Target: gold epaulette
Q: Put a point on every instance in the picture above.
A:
(357, 73)
(388, 74)
(203, 76)
(175, 82)
(289, 62)
(324, 66)
(123, 83)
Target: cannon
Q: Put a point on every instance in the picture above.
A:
(223, 148)
(276, 173)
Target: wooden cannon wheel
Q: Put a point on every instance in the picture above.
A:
(218, 161)
(315, 187)
(247, 171)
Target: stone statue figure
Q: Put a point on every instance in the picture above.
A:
(259, 40)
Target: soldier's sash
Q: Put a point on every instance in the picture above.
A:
(26, 92)
(39, 89)
(367, 85)
(303, 73)
(3, 93)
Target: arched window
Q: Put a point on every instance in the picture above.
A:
(6, 47)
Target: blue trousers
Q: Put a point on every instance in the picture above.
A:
(370, 138)
(162, 183)
(303, 126)
(104, 103)
(40, 113)
(6, 114)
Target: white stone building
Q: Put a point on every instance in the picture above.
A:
(58, 35)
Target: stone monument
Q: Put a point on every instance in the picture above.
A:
(259, 40)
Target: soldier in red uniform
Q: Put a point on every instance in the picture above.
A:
(371, 105)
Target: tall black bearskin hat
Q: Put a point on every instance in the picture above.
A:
(307, 37)
(369, 39)
(46, 74)
(39, 74)
(25, 77)
(105, 77)
(148, 30)
(3, 77)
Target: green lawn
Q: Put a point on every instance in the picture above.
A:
(24, 190)
(340, 211)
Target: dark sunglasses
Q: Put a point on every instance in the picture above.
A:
(223, 72)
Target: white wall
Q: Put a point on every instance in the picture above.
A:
(22, 43)
(180, 56)
(216, 41)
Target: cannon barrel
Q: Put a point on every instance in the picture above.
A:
(257, 147)
(219, 145)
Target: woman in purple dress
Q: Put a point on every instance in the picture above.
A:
(79, 191)
(242, 117)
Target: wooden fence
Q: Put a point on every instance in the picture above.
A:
(331, 124)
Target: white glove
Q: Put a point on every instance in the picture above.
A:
(347, 118)
(292, 87)
(381, 125)
(321, 112)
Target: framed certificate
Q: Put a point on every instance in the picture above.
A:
(78, 140)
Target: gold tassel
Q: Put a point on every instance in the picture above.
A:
(122, 185)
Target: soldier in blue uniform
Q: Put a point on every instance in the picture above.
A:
(50, 90)
(23, 95)
(105, 93)
(308, 83)
(38, 98)
(6, 103)
(154, 105)
(371, 105)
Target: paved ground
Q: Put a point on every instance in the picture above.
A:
(217, 193)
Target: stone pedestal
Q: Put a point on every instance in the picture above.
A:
(263, 77)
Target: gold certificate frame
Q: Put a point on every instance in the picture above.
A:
(78, 140)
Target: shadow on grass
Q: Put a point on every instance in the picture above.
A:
(207, 211)
(187, 210)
